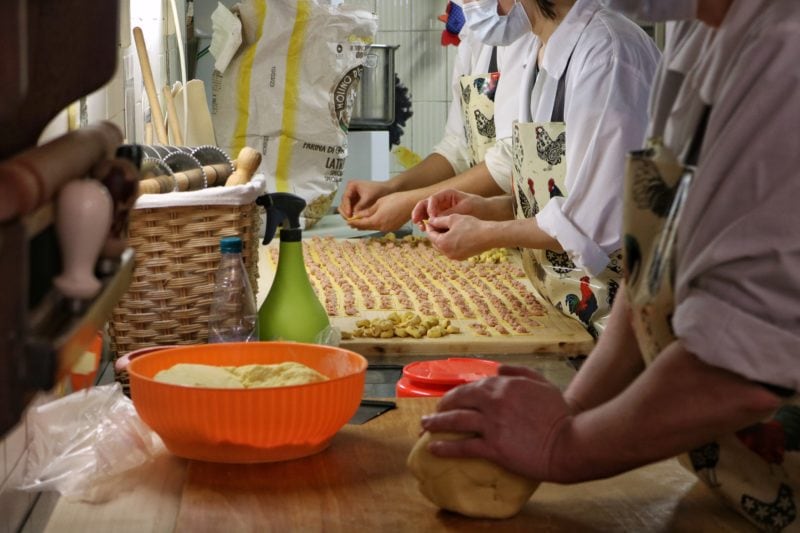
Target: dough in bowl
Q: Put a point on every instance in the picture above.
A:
(240, 377)
(472, 487)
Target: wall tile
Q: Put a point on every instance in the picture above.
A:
(424, 15)
(422, 64)
(427, 126)
(95, 106)
(115, 90)
(394, 15)
(366, 4)
(452, 55)
(428, 67)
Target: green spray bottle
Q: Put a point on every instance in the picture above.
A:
(292, 310)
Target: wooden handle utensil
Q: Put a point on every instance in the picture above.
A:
(150, 86)
(246, 165)
(189, 180)
(32, 178)
(172, 116)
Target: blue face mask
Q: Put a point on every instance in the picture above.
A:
(655, 10)
(492, 29)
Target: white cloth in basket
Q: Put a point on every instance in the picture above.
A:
(236, 195)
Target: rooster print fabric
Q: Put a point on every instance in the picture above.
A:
(539, 174)
(757, 469)
(477, 106)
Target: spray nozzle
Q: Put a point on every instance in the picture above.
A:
(283, 209)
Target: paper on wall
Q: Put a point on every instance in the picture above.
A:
(226, 38)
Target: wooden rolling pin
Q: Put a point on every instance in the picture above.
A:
(246, 165)
(150, 86)
(32, 178)
(172, 116)
(189, 180)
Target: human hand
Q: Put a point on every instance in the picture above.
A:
(444, 202)
(388, 213)
(517, 419)
(460, 237)
(360, 195)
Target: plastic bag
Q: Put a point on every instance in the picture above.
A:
(289, 93)
(330, 336)
(85, 445)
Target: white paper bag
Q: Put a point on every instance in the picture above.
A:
(289, 93)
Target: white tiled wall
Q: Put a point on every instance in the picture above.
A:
(422, 64)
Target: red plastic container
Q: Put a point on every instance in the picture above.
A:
(434, 378)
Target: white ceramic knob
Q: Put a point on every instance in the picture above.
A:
(83, 220)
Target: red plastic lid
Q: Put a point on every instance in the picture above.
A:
(452, 371)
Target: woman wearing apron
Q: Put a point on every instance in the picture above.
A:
(700, 356)
(469, 133)
(584, 107)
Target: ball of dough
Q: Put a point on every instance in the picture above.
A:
(472, 487)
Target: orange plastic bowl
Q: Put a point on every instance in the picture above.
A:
(248, 425)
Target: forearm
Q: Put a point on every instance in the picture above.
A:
(677, 404)
(431, 170)
(525, 233)
(497, 208)
(476, 180)
(613, 364)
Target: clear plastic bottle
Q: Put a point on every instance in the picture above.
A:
(233, 317)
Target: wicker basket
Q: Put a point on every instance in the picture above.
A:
(177, 252)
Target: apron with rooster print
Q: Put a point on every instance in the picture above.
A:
(539, 173)
(757, 469)
(477, 106)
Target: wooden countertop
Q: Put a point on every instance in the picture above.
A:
(361, 484)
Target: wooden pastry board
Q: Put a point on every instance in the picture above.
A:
(557, 334)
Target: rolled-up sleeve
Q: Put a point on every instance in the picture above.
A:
(453, 145)
(606, 117)
(499, 161)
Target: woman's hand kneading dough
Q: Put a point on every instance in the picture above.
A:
(517, 420)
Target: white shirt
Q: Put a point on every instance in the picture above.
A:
(611, 67)
(473, 58)
(738, 265)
